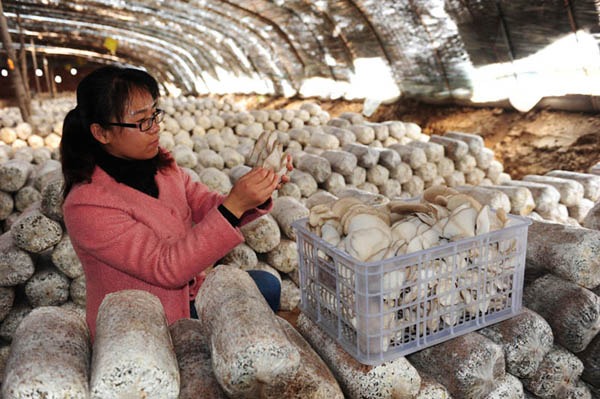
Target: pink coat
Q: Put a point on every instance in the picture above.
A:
(126, 239)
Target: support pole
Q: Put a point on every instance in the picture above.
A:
(47, 75)
(52, 81)
(15, 73)
(35, 68)
(23, 61)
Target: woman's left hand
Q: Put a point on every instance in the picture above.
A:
(251, 190)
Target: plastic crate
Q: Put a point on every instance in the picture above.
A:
(380, 311)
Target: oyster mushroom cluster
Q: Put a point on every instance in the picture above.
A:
(423, 295)
(268, 153)
(371, 233)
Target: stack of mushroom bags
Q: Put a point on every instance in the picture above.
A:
(337, 159)
(45, 128)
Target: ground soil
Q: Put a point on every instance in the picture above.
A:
(526, 143)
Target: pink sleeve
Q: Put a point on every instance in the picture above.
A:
(115, 238)
(255, 213)
(201, 200)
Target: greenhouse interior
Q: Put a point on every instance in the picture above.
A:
(377, 198)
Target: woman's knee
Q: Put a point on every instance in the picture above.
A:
(269, 286)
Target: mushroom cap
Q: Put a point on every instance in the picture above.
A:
(430, 238)
(456, 200)
(482, 222)
(461, 223)
(259, 147)
(394, 280)
(362, 219)
(406, 229)
(273, 160)
(360, 209)
(444, 289)
(501, 214)
(439, 211)
(268, 153)
(397, 248)
(341, 205)
(319, 214)
(330, 232)
(364, 243)
(365, 197)
(432, 192)
(377, 200)
(272, 141)
(405, 207)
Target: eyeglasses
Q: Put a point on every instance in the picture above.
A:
(145, 124)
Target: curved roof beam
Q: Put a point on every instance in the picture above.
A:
(314, 68)
(54, 45)
(201, 55)
(291, 24)
(269, 33)
(130, 42)
(180, 26)
(92, 56)
(182, 17)
(255, 49)
(211, 23)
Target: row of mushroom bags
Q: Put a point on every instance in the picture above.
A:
(373, 191)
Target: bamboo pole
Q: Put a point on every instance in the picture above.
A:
(16, 78)
(52, 80)
(47, 76)
(23, 61)
(35, 68)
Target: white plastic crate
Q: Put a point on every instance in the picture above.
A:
(382, 310)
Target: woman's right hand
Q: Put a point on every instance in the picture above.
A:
(251, 190)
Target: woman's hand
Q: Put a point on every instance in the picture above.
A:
(251, 190)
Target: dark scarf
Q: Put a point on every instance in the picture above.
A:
(138, 174)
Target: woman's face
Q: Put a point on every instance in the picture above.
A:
(130, 142)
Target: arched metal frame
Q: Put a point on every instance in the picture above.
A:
(429, 45)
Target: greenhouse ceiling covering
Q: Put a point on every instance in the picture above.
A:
(377, 50)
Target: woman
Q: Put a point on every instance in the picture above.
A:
(135, 219)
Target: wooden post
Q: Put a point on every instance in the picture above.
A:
(23, 61)
(47, 75)
(17, 79)
(54, 91)
(35, 67)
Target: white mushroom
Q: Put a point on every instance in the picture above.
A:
(430, 238)
(482, 223)
(368, 244)
(319, 214)
(341, 206)
(268, 153)
(405, 229)
(461, 223)
(432, 192)
(454, 201)
(331, 232)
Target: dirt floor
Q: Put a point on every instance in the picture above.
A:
(526, 143)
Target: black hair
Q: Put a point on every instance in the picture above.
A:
(101, 98)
